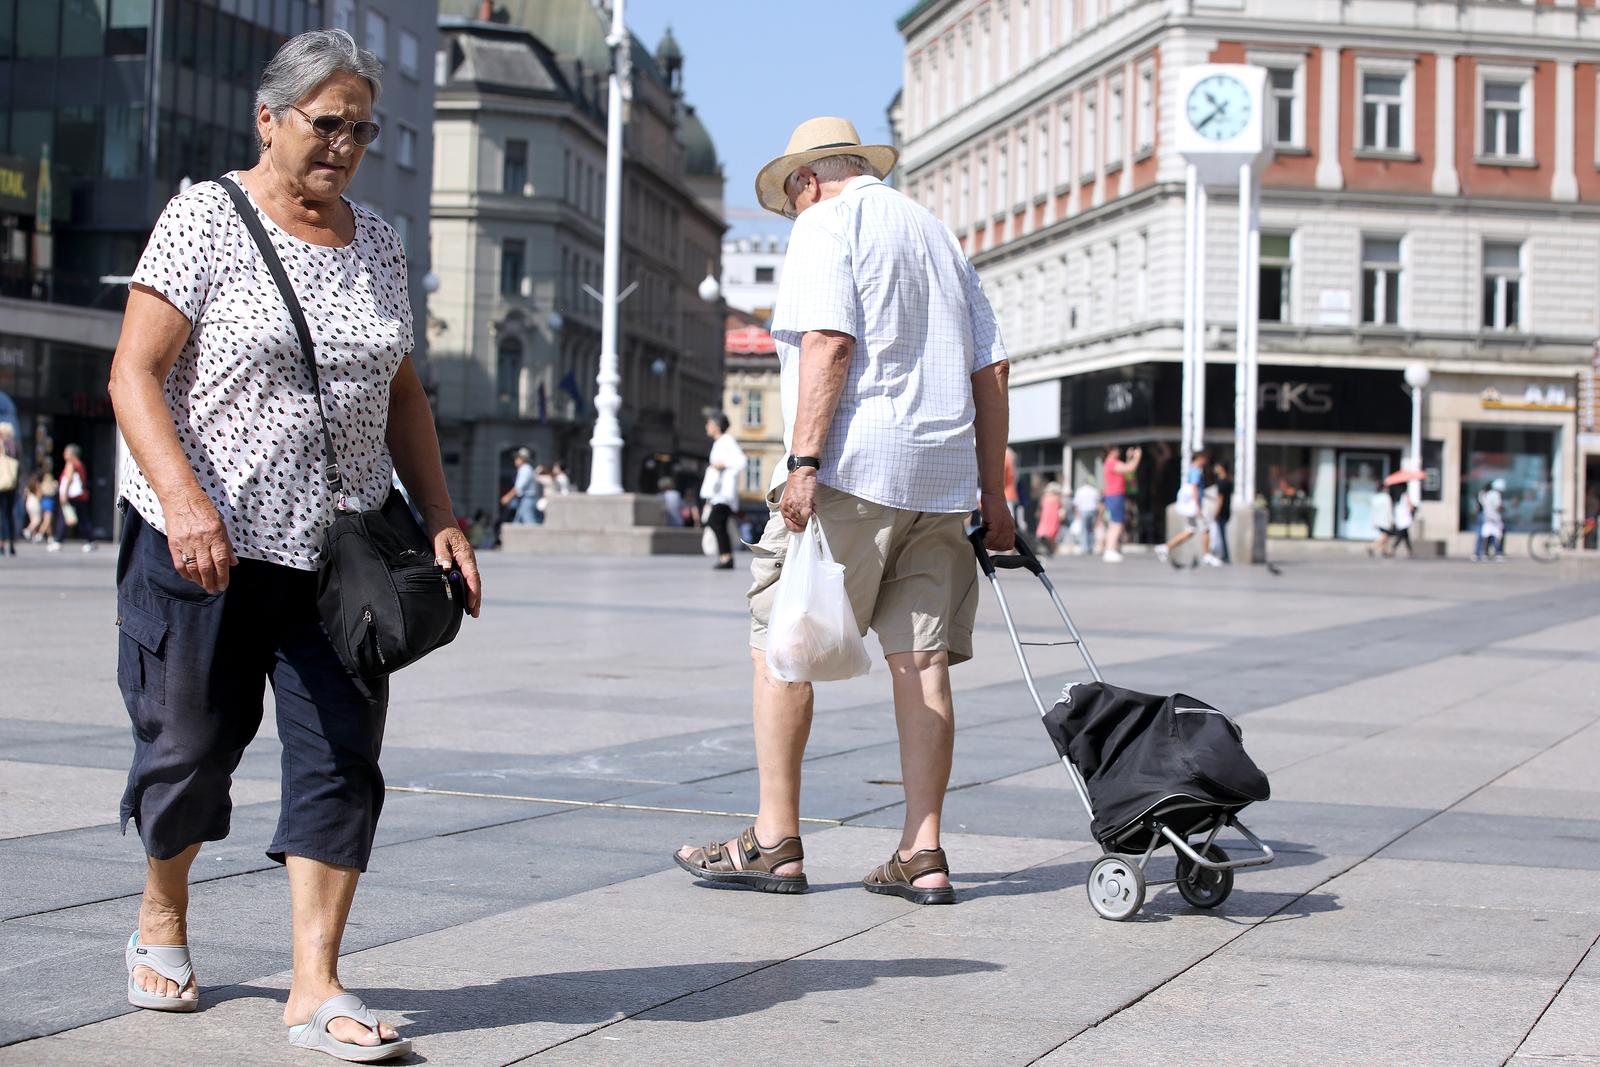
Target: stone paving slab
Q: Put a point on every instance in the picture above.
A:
(1431, 733)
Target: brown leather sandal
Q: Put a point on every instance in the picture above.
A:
(895, 877)
(747, 863)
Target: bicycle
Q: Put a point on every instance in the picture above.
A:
(1547, 546)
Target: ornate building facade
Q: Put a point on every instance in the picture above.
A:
(1433, 199)
(517, 233)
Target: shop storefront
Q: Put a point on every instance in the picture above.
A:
(1328, 436)
(58, 392)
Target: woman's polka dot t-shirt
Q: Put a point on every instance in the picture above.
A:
(240, 393)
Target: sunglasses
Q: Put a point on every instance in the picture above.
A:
(328, 127)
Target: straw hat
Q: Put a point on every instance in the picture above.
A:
(812, 140)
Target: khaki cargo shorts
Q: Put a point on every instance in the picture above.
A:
(910, 575)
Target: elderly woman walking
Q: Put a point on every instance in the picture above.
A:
(216, 580)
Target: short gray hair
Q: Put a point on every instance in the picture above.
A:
(307, 61)
(832, 169)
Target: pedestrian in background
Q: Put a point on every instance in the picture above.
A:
(1086, 515)
(49, 506)
(33, 509)
(1014, 491)
(1114, 485)
(10, 469)
(671, 501)
(74, 481)
(720, 489)
(1404, 516)
(1491, 523)
(1051, 506)
(563, 480)
(1190, 505)
(227, 509)
(1381, 510)
(895, 416)
(525, 493)
(1223, 514)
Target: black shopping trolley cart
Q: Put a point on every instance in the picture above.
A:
(1151, 770)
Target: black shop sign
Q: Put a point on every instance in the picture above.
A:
(1295, 399)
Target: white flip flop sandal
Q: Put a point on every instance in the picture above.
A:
(170, 962)
(314, 1034)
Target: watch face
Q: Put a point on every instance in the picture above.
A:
(1219, 108)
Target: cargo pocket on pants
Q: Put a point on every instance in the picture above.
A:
(140, 669)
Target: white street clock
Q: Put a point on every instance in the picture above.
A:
(1222, 121)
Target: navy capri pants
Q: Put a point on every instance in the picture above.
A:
(193, 669)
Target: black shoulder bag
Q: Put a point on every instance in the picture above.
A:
(383, 599)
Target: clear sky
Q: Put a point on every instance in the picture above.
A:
(756, 69)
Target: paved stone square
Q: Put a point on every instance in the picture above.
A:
(1432, 732)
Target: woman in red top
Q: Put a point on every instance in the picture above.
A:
(75, 497)
(1114, 487)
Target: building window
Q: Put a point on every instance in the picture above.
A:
(1287, 113)
(1065, 155)
(1385, 111)
(1003, 179)
(402, 230)
(1506, 115)
(1146, 138)
(1042, 139)
(752, 476)
(985, 51)
(1114, 125)
(406, 154)
(344, 16)
(964, 196)
(1277, 265)
(377, 41)
(508, 378)
(752, 407)
(1022, 167)
(949, 202)
(1142, 289)
(765, 275)
(511, 258)
(408, 54)
(983, 188)
(1380, 281)
(1091, 135)
(514, 177)
(1502, 285)
(382, 119)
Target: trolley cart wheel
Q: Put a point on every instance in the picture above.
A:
(1201, 886)
(1116, 887)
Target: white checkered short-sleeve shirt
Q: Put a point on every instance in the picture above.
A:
(878, 266)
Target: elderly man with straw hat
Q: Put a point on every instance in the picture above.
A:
(894, 409)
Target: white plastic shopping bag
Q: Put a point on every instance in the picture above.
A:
(812, 635)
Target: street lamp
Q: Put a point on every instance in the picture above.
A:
(1417, 378)
(606, 444)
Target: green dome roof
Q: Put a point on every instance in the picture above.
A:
(668, 51)
(700, 153)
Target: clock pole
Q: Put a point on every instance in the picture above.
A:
(1223, 137)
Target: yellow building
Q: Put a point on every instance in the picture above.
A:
(755, 412)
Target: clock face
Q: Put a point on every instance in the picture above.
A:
(1219, 108)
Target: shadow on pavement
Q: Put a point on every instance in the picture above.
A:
(666, 993)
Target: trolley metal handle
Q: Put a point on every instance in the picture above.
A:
(1024, 560)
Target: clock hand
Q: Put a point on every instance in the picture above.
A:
(1207, 120)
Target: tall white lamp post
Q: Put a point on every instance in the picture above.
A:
(1417, 378)
(605, 478)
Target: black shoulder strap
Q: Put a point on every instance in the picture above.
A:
(269, 255)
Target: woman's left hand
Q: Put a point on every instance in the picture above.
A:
(452, 549)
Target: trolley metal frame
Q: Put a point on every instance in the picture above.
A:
(1117, 883)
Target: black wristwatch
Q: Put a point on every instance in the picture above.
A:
(796, 462)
